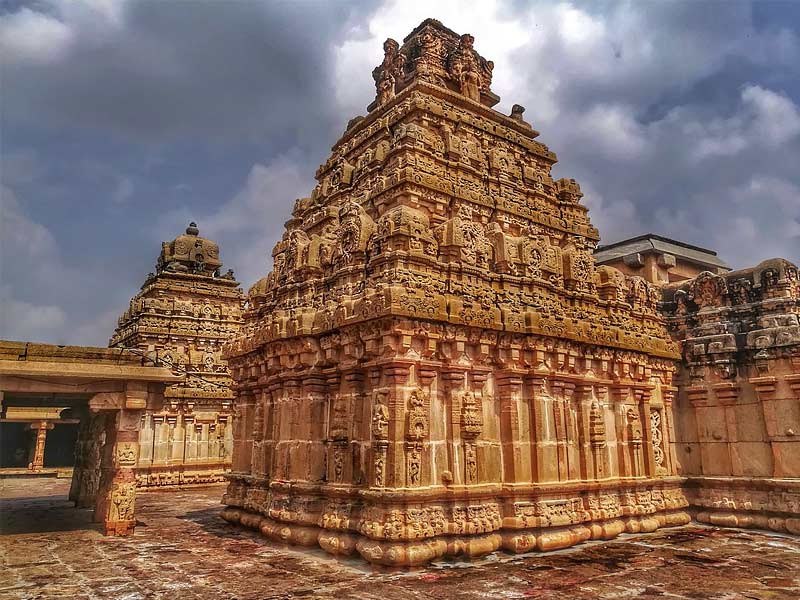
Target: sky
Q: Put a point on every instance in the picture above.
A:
(121, 121)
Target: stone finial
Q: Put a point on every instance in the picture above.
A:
(190, 253)
(434, 54)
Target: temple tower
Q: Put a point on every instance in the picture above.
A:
(181, 317)
(434, 365)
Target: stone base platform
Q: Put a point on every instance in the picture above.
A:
(420, 552)
(747, 502)
(59, 472)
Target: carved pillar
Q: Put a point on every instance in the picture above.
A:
(726, 395)
(648, 465)
(471, 427)
(41, 428)
(452, 383)
(395, 378)
(88, 453)
(314, 393)
(586, 410)
(562, 392)
(116, 498)
(514, 441)
(379, 427)
(668, 395)
(243, 407)
(545, 457)
(339, 427)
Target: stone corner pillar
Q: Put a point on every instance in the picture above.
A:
(116, 498)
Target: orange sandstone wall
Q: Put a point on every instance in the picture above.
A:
(737, 413)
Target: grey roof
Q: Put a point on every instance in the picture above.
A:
(650, 243)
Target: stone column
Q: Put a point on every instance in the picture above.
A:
(41, 428)
(514, 428)
(86, 474)
(116, 497)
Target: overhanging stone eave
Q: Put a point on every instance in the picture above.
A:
(86, 372)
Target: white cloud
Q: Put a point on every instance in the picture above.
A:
(775, 118)
(29, 36)
(249, 224)
(30, 322)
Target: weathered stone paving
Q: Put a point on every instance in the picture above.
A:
(182, 549)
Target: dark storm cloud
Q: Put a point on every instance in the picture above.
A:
(122, 121)
(165, 69)
(678, 118)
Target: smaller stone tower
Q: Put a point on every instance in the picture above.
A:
(181, 316)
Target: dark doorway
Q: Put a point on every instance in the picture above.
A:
(15, 445)
(60, 448)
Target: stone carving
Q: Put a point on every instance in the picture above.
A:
(123, 497)
(658, 439)
(432, 313)
(634, 426)
(390, 70)
(471, 416)
(417, 416)
(414, 466)
(186, 311)
(707, 290)
(126, 454)
(380, 420)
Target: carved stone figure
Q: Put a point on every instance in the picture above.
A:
(122, 501)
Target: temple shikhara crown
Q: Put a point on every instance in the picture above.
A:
(434, 365)
(181, 317)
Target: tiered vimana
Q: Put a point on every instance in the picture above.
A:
(181, 316)
(434, 366)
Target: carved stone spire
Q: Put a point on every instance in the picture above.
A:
(434, 54)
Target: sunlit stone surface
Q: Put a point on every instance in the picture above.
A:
(434, 366)
(738, 408)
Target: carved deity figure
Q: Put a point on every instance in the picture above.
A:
(417, 416)
(414, 466)
(389, 71)
(380, 421)
(126, 454)
(708, 289)
(122, 500)
(634, 425)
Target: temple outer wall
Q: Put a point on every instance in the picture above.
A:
(737, 413)
(182, 448)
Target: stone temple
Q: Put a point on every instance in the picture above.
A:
(181, 317)
(441, 362)
(435, 366)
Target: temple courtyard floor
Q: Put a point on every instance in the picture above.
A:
(182, 549)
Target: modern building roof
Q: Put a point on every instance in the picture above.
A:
(652, 243)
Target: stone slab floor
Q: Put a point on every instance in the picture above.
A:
(183, 550)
